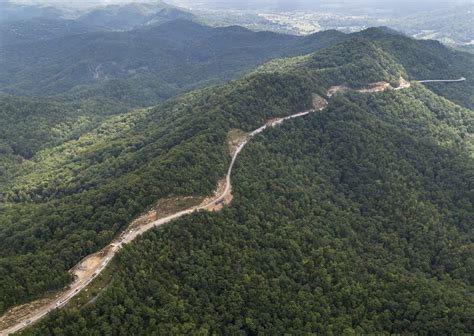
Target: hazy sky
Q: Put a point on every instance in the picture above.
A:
(382, 5)
(314, 4)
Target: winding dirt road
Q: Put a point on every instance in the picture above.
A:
(90, 267)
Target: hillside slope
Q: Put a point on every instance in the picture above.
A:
(133, 15)
(356, 220)
(70, 200)
(39, 29)
(144, 66)
(29, 125)
(73, 198)
(430, 60)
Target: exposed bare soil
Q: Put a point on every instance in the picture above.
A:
(234, 138)
(375, 87)
(335, 89)
(372, 88)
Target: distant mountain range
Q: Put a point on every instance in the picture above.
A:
(40, 29)
(111, 17)
(429, 22)
(10, 11)
(132, 16)
(153, 63)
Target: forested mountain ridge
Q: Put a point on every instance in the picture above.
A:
(39, 29)
(99, 17)
(352, 221)
(364, 63)
(10, 11)
(109, 175)
(34, 122)
(144, 66)
(29, 125)
(423, 59)
(350, 63)
(179, 149)
(133, 15)
(149, 152)
(428, 59)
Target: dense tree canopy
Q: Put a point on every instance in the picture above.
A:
(355, 220)
(377, 189)
(74, 198)
(142, 67)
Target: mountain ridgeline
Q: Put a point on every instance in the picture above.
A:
(431, 60)
(356, 219)
(134, 15)
(350, 222)
(144, 66)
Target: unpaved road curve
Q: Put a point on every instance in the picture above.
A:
(90, 267)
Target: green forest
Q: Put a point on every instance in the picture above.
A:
(146, 66)
(355, 220)
(74, 198)
(430, 60)
(339, 222)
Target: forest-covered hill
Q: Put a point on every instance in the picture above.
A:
(353, 214)
(144, 66)
(356, 220)
(430, 60)
(133, 15)
(39, 29)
